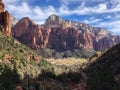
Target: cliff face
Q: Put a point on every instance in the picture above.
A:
(2, 6)
(5, 19)
(31, 34)
(61, 34)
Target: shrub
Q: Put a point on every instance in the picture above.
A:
(8, 78)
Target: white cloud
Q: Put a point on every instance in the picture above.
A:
(10, 1)
(113, 26)
(102, 6)
(21, 8)
(92, 21)
(108, 17)
(99, 9)
(67, 2)
(115, 1)
(39, 14)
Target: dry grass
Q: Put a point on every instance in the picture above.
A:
(68, 64)
(67, 61)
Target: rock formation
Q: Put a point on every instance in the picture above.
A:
(2, 6)
(5, 19)
(31, 34)
(62, 35)
(13, 21)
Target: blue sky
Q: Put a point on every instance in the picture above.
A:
(98, 13)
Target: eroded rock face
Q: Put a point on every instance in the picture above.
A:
(2, 6)
(59, 34)
(54, 21)
(35, 36)
(5, 19)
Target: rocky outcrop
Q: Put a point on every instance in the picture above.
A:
(54, 21)
(5, 19)
(13, 21)
(2, 6)
(62, 35)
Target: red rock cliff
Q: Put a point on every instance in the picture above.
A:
(5, 19)
(59, 34)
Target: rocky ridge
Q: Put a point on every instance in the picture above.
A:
(63, 35)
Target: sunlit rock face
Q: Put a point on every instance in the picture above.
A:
(2, 6)
(5, 19)
(61, 34)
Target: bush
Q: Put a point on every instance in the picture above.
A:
(8, 78)
(47, 68)
(69, 77)
(47, 73)
(31, 85)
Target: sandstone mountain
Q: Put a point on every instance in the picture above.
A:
(5, 19)
(63, 35)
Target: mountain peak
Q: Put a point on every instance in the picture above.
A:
(55, 21)
(27, 20)
(54, 17)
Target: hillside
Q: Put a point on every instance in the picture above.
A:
(105, 73)
(22, 68)
(102, 74)
(18, 61)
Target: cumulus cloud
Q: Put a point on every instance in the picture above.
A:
(108, 17)
(39, 14)
(83, 10)
(67, 2)
(113, 26)
(23, 8)
(92, 21)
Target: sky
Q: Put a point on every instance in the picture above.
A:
(98, 13)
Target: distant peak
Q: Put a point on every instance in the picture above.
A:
(54, 17)
(27, 19)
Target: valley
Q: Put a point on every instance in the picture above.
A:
(57, 55)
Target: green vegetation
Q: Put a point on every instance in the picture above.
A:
(77, 53)
(102, 73)
(8, 78)
(21, 66)
(9, 45)
(17, 61)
